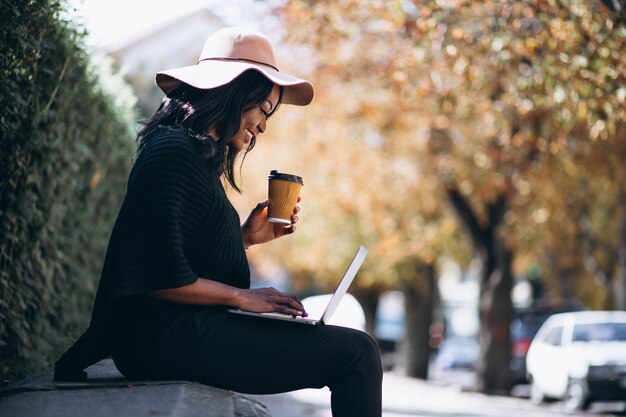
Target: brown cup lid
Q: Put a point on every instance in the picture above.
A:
(275, 175)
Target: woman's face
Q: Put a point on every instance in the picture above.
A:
(254, 121)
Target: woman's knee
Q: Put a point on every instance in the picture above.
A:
(372, 353)
(364, 350)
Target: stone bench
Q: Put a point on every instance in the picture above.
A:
(107, 393)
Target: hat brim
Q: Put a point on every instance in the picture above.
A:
(215, 73)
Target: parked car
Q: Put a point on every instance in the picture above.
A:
(523, 328)
(579, 357)
(457, 353)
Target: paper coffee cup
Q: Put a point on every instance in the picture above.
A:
(284, 190)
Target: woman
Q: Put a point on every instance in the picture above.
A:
(176, 259)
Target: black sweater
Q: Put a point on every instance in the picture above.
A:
(175, 225)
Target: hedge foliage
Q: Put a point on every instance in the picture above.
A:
(66, 149)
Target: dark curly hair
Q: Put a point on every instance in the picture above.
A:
(220, 109)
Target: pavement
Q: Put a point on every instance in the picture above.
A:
(409, 397)
(107, 393)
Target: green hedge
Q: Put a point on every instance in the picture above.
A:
(66, 148)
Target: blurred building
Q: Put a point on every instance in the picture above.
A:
(171, 44)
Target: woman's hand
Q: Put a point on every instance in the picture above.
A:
(256, 229)
(269, 300)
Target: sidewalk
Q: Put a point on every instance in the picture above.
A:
(409, 397)
(107, 393)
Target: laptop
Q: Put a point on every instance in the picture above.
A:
(330, 309)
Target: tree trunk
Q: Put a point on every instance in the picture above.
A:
(620, 288)
(368, 298)
(496, 314)
(495, 303)
(567, 286)
(419, 288)
(604, 275)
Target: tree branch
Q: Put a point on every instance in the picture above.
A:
(468, 217)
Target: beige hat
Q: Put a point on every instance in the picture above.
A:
(226, 55)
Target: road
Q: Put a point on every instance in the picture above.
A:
(408, 397)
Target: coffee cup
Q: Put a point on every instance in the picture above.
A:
(284, 190)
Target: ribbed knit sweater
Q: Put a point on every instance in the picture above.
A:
(176, 224)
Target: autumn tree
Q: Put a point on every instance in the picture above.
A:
(517, 88)
(360, 187)
(392, 55)
(529, 84)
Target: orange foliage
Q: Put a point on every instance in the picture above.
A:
(525, 99)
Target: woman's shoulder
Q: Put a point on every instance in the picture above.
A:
(174, 145)
(168, 151)
(166, 137)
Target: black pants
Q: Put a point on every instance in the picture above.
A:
(259, 356)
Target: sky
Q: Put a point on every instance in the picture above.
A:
(112, 21)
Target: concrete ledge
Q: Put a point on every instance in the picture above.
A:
(107, 393)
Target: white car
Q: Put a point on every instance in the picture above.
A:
(579, 357)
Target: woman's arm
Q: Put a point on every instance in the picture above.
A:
(209, 292)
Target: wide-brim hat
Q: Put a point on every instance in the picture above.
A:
(226, 55)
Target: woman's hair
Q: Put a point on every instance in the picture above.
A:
(219, 110)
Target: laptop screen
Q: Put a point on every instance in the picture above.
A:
(344, 284)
